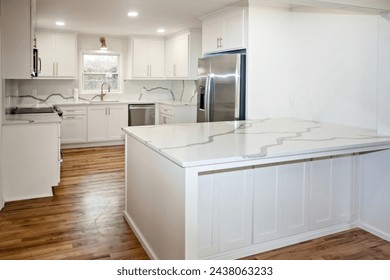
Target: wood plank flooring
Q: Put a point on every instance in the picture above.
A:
(83, 220)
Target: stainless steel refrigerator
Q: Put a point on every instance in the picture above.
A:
(221, 88)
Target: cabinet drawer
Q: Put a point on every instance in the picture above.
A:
(167, 109)
(73, 110)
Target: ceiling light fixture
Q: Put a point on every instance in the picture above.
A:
(161, 30)
(60, 23)
(132, 14)
(103, 46)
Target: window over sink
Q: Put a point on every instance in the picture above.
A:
(98, 68)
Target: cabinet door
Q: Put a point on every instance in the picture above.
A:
(225, 211)
(177, 57)
(166, 119)
(280, 201)
(117, 118)
(140, 58)
(66, 54)
(170, 59)
(331, 191)
(235, 217)
(156, 59)
(46, 52)
(181, 63)
(97, 123)
(16, 38)
(234, 31)
(73, 129)
(211, 32)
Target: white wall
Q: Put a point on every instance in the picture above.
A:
(334, 74)
(384, 74)
(313, 64)
(268, 62)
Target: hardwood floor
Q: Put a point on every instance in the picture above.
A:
(83, 220)
(354, 244)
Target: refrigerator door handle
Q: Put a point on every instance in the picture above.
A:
(207, 98)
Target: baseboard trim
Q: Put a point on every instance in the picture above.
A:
(94, 144)
(375, 231)
(139, 236)
(280, 243)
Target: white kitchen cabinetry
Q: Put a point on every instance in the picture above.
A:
(105, 122)
(331, 191)
(225, 31)
(251, 206)
(179, 113)
(17, 32)
(31, 160)
(280, 201)
(148, 58)
(225, 211)
(57, 55)
(181, 55)
(74, 124)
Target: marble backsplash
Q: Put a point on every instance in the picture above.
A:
(52, 91)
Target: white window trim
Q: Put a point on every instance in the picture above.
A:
(81, 67)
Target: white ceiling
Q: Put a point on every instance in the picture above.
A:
(109, 17)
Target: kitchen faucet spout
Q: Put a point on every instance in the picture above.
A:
(102, 94)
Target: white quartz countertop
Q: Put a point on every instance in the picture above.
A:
(226, 142)
(176, 103)
(31, 118)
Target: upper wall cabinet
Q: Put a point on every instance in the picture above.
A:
(147, 56)
(57, 55)
(181, 55)
(225, 31)
(18, 18)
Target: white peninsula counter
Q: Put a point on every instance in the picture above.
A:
(230, 189)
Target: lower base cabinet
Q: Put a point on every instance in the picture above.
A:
(31, 160)
(105, 122)
(74, 124)
(271, 202)
(171, 114)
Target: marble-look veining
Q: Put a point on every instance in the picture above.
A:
(155, 93)
(222, 142)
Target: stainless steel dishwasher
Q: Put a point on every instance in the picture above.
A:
(141, 114)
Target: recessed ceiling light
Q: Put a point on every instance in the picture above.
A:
(132, 14)
(60, 23)
(161, 30)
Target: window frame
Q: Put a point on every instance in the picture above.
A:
(99, 52)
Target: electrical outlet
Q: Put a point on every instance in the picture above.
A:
(34, 92)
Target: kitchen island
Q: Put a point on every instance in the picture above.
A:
(226, 190)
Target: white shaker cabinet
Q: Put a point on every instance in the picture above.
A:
(280, 195)
(331, 191)
(181, 55)
(105, 122)
(57, 55)
(74, 124)
(31, 160)
(148, 58)
(225, 31)
(181, 113)
(17, 34)
(225, 211)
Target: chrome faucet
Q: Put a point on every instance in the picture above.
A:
(102, 94)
